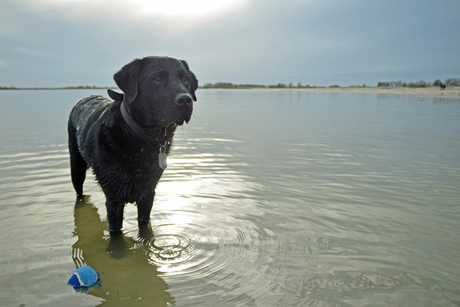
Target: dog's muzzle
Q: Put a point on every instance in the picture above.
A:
(184, 107)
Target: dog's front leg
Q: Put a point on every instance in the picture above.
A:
(144, 207)
(115, 214)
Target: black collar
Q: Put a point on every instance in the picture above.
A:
(132, 124)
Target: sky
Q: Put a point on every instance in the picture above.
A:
(55, 43)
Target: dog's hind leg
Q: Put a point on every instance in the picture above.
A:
(78, 168)
(78, 165)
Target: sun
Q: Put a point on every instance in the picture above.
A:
(186, 7)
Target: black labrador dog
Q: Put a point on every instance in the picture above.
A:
(126, 141)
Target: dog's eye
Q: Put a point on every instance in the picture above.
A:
(185, 80)
(157, 79)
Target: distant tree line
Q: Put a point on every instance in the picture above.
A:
(231, 85)
(279, 85)
(448, 82)
(299, 85)
(220, 85)
(290, 85)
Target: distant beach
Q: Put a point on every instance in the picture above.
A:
(450, 92)
(430, 91)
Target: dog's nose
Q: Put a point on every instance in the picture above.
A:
(183, 99)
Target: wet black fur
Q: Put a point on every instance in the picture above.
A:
(126, 165)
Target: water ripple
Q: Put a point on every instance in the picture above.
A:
(272, 198)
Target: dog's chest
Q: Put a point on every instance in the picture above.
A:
(131, 177)
(143, 171)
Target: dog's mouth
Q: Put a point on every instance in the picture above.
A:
(177, 122)
(181, 120)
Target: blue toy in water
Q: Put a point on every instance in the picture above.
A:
(85, 276)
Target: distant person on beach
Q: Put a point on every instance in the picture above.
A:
(443, 86)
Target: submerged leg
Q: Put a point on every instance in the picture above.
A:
(144, 207)
(115, 214)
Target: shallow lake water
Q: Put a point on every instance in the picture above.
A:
(270, 198)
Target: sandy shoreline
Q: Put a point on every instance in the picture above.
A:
(452, 92)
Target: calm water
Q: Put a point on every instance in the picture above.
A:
(271, 198)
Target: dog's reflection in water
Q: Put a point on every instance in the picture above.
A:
(128, 279)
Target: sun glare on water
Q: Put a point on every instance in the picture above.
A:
(186, 7)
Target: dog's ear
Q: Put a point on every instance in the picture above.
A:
(194, 79)
(127, 79)
(194, 86)
(115, 95)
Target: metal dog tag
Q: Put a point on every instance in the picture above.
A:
(162, 156)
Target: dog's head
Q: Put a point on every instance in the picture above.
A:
(158, 90)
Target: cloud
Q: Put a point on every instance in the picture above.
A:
(79, 42)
